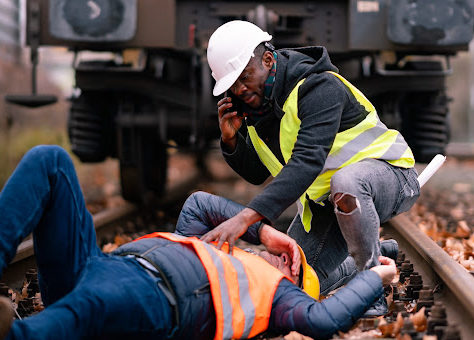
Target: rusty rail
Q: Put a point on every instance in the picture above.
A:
(455, 285)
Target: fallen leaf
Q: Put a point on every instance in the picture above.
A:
(398, 324)
(419, 320)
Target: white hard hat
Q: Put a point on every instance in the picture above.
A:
(229, 50)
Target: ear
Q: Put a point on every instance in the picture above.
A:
(286, 258)
(267, 60)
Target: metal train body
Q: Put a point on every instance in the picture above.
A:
(156, 86)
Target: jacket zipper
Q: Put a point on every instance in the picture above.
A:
(202, 290)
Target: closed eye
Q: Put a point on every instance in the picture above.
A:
(244, 77)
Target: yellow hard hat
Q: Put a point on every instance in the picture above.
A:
(310, 282)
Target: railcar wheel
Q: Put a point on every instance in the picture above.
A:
(90, 127)
(425, 123)
(143, 165)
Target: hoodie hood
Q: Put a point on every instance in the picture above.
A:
(298, 63)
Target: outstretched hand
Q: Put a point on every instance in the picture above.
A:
(386, 270)
(228, 231)
(277, 243)
(232, 229)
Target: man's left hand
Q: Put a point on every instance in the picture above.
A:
(277, 243)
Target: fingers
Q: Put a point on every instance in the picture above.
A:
(295, 269)
(220, 238)
(387, 270)
(224, 100)
(223, 105)
(386, 260)
(212, 236)
(207, 237)
(220, 243)
(296, 260)
(224, 111)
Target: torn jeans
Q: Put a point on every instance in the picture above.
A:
(380, 191)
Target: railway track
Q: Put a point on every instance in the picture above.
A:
(452, 284)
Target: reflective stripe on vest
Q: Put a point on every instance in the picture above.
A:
(368, 139)
(242, 287)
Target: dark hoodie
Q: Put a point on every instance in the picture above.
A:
(325, 107)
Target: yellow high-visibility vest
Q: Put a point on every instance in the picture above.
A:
(368, 139)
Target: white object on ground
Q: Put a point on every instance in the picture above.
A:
(431, 168)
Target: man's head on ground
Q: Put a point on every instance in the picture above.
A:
(281, 262)
(240, 60)
(307, 278)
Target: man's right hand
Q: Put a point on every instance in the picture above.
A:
(229, 122)
(386, 270)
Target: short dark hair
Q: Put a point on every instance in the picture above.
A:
(260, 50)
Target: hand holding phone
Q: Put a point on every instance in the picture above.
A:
(236, 104)
(229, 123)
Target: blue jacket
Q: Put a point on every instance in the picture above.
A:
(292, 309)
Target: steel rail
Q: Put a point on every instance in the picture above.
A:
(454, 284)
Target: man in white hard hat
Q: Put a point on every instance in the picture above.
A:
(289, 114)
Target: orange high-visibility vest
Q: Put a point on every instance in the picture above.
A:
(242, 287)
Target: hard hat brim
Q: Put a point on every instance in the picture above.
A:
(310, 278)
(225, 83)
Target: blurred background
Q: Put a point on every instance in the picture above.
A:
(124, 87)
(57, 71)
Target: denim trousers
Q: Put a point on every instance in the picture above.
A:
(86, 293)
(339, 243)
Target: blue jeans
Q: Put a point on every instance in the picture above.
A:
(87, 293)
(379, 191)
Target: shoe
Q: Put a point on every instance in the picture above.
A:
(389, 248)
(6, 316)
(379, 308)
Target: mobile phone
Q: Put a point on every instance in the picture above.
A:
(236, 104)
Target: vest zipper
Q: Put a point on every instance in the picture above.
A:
(202, 290)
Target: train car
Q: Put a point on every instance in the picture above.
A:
(155, 88)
